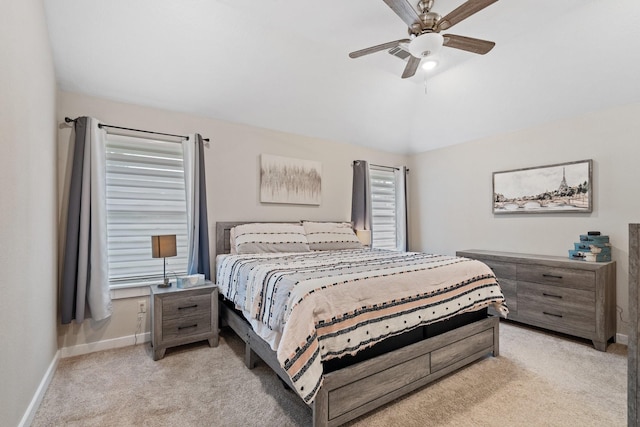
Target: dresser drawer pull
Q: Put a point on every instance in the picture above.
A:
(195, 325)
(553, 276)
(551, 295)
(552, 314)
(188, 306)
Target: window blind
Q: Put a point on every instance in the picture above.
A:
(145, 197)
(383, 207)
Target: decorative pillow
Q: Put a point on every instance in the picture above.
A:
(326, 236)
(270, 237)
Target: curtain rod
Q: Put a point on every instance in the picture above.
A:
(100, 125)
(383, 167)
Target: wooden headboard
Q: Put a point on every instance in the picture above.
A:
(223, 229)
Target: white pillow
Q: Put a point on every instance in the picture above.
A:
(325, 236)
(270, 237)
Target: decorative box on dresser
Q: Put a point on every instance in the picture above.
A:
(572, 297)
(183, 316)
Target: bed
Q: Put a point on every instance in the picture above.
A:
(348, 328)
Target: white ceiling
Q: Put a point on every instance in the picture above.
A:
(283, 65)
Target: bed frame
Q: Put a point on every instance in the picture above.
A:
(353, 391)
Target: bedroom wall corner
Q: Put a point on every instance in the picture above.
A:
(28, 253)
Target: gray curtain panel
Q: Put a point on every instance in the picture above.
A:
(198, 261)
(402, 220)
(69, 291)
(85, 278)
(361, 196)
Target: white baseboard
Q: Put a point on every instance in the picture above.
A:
(80, 349)
(622, 339)
(30, 413)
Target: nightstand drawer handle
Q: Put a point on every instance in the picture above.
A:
(189, 306)
(552, 276)
(187, 327)
(551, 314)
(551, 295)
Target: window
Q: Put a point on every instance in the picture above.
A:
(145, 197)
(388, 208)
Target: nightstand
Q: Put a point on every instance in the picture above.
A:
(183, 316)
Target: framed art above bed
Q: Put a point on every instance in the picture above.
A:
(288, 180)
(563, 187)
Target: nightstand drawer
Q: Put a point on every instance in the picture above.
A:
(186, 326)
(556, 276)
(179, 306)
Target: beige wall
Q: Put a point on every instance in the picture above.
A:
(232, 162)
(28, 207)
(452, 190)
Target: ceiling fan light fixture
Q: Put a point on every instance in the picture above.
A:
(425, 45)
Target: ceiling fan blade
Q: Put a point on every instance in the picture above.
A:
(411, 67)
(467, 43)
(377, 48)
(463, 12)
(404, 10)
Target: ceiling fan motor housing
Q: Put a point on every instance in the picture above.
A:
(430, 21)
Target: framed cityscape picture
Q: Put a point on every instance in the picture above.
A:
(563, 187)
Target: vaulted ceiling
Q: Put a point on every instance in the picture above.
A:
(284, 65)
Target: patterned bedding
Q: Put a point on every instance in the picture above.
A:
(317, 306)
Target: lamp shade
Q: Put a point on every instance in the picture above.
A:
(426, 44)
(163, 246)
(364, 236)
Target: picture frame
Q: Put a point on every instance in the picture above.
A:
(291, 181)
(557, 188)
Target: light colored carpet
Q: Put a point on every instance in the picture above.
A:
(538, 380)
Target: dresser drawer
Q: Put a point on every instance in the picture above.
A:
(502, 270)
(509, 290)
(186, 326)
(189, 305)
(562, 309)
(555, 276)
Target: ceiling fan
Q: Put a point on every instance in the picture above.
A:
(424, 32)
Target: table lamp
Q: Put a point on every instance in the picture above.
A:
(163, 247)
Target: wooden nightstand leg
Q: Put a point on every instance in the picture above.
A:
(213, 342)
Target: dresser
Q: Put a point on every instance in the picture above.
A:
(183, 316)
(572, 297)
